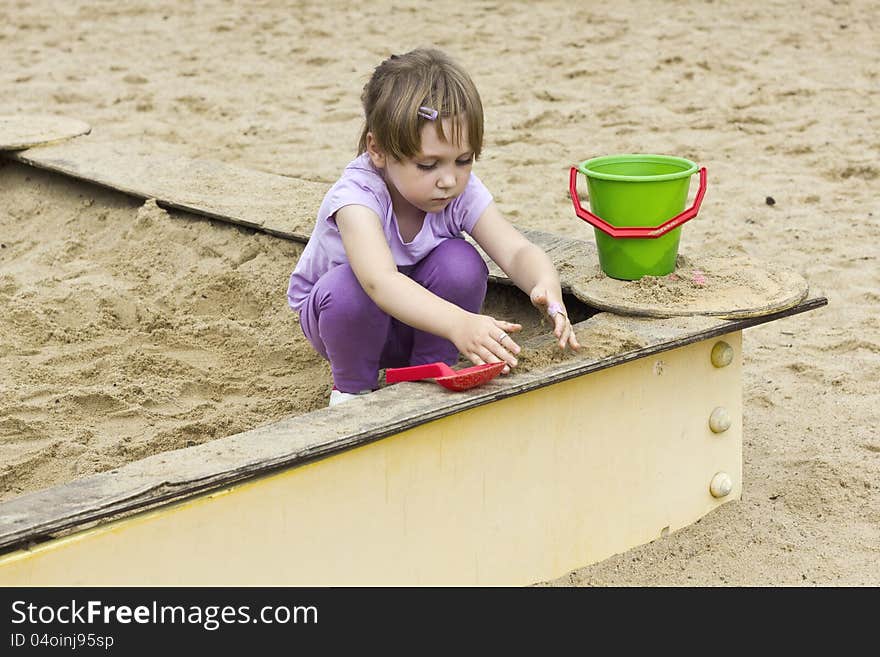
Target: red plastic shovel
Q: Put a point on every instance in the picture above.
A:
(447, 377)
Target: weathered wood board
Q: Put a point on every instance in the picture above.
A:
(26, 130)
(731, 287)
(271, 203)
(728, 286)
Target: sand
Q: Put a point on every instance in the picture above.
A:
(163, 330)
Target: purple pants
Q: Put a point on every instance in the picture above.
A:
(347, 328)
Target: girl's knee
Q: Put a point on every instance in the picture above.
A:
(456, 272)
(462, 265)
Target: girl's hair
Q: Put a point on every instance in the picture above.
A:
(420, 78)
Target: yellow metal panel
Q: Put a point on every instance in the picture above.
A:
(520, 490)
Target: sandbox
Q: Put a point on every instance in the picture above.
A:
(568, 461)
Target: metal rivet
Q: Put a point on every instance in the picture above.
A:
(722, 354)
(721, 485)
(719, 421)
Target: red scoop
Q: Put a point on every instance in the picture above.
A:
(447, 377)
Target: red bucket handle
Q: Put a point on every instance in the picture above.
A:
(635, 231)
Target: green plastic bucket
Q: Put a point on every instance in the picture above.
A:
(637, 204)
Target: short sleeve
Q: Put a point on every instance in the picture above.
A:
(351, 191)
(469, 207)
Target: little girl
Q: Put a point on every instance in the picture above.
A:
(387, 280)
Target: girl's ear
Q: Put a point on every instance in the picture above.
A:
(377, 155)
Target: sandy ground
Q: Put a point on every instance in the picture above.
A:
(167, 330)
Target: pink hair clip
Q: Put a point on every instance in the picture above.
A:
(428, 113)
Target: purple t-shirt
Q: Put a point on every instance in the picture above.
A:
(362, 184)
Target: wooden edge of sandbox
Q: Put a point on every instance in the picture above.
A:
(171, 476)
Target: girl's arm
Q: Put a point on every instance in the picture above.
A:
(530, 269)
(475, 336)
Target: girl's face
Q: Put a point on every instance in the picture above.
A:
(430, 180)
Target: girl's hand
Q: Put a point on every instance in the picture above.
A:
(555, 309)
(483, 339)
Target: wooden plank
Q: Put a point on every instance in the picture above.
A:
(730, 286)
(565, 253)
(393, 409)
(271, 203)
(26, 130)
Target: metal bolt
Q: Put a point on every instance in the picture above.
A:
(721, 485)
(719, 421)
(722, 354)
